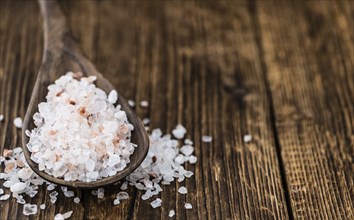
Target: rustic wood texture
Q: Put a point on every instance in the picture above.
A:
(311, 77)
(282, 72)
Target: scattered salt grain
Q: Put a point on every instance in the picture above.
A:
(59, 217)
(124, 186)
(188, 174)
(25, 173)
(50, 187)
(42, 206)
(5, 197)
(187, 150)
(188, 141)
(146, 121)
(207, 139)
(156, 203)
(77, 200)
(188, 206)
(122, 196)
(29, 209)
(53, 194)
(179, 131)
(192, 159)
(113, 96)
(171, 213)
(18, 122)
(116, 202)
(247, 138)
(69, 194)
(18, 187)
(144, 104)
(100, 193)
(53, 199)
(182, 190)
(67, 214)
(1, 191)
(2, 117)
(20, 200)
(131, 103)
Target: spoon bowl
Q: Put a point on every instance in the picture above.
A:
(62, 54)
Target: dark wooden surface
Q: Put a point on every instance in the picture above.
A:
(280, 71)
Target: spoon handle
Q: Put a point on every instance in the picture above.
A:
(54, 24)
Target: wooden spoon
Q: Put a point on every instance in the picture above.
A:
(62, 54)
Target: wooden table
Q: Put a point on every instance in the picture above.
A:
(280, 71)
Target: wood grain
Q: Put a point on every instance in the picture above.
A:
(310, 72)
(223, 69)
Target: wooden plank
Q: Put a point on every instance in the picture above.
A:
(197, 64)
(308, 54)
(166, 54)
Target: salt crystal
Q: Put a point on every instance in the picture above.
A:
(18, 122)
(188, 206)
(25, 173)
(77, 200)
(5, 197)
(207, 139)
(131, 103)
(247, 138)
(53, 194)
(180, 178)
(182, 190)
(113, 96)
(50, 187)
(2, 117)
(29, 209)
(7, 153)
(146, 121)
(144, 104)
(53, 199)
(188, 141)
(1, 191)
(120, 115)
(18, 187)
(90, 165)
(187, 150)
(179, 131)
(20, 200)
(179, 159)
(67, 214)
(188, 174)
(42, 206)
(122, 195)
(171, 213)
(192, 159)
(124, 186)
(59, 217)
(116, 202)
(156, 203)
(100, 195)
(69, 194)
(113, 160)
